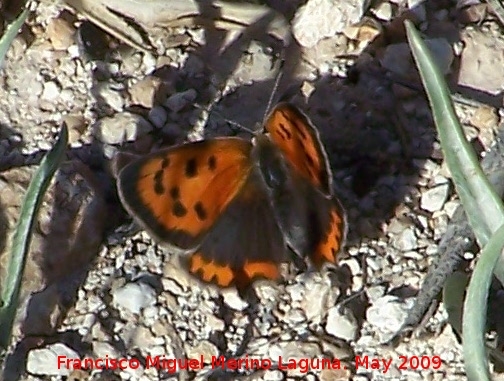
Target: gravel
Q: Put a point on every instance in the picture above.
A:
(96, 287)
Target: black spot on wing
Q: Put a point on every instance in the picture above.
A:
(286, 135)
(175, 193)
(179, 210)
(191, 168)
(200, 211)
(158, 182)
(212, 163)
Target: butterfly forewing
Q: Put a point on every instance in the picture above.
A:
(294, 134)
(178, 193)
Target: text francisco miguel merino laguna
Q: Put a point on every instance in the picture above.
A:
(173, 365)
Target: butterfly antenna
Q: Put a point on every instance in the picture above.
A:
(237, 125)
(275, 87)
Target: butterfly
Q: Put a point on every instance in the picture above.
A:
(240, 207)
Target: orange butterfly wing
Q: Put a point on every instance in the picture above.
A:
(178, 193)
(312, 205)
(332, 241)
(208, 198)
(295, 135)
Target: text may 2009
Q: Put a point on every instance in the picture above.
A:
(303, 365)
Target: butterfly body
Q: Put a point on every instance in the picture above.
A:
(238, 206)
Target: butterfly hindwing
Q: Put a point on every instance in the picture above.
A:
(313, 224)
(244, 243)
(178, 193)
(333, 239)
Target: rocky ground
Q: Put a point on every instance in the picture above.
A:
(95, 286)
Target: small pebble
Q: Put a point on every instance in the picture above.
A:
(233, 300)
(387, 315)
(181, 100)
(121, 127)
(433, 199)
(383, 11)
(60, 33)
(134, 297)
(50, 92)
(341, 323)
(158, 116)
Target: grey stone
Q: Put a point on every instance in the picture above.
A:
(181, 100)
(44, 361)
(341, 323)
(134, 297)
(120, 128)
(433, 199)
(318, 19)
(158, 116)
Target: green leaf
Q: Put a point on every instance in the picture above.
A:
(483, 206)
(22, 235)
(475, 307)
(11, 33)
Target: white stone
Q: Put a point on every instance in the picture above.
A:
(353, 264)
(387, 315)
(273, 375)
(134, 296)
(318, 19)
(44, 361)
(341, 323)
(383, 11)
(112, 97)
(121, 127)
(434, 199)
(51, 91)
(406, 240)
(233, 300)
(204, 348)
(102, 349)
(480, 66)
